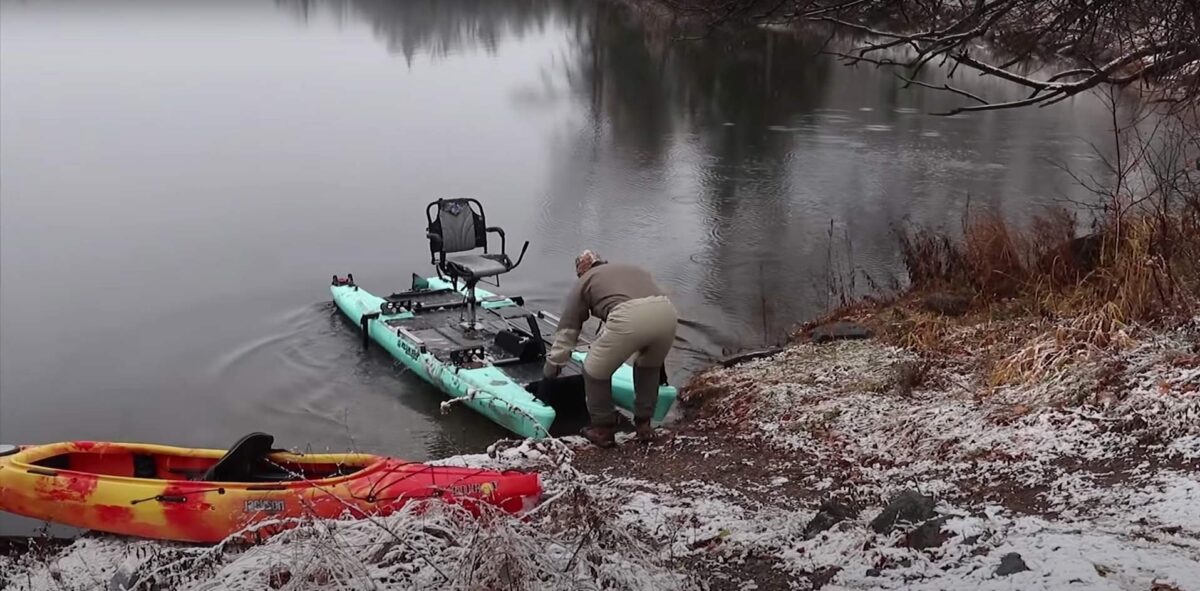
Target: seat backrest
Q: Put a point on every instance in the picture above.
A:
(459, 225)
(239, 463)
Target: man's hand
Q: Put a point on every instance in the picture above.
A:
(551, 370)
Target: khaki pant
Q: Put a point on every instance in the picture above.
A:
(643, 329)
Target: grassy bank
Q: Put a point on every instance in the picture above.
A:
(1026, 414)
(1042, 384)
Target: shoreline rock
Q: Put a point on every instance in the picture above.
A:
(1011, 564)
(840, 330)
(909, 506)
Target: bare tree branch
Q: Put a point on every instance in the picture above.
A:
(1089, 43)
(942, 87)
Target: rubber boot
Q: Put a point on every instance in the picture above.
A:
(645, 387)
(645, 431)
(603, 430)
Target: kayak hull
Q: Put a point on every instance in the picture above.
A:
(134, 490)
(485, 390)
(505, 394)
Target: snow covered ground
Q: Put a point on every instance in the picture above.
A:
(1109, 491)
(636, 533)
(1023, 493)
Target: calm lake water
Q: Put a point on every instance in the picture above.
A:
(178, 182)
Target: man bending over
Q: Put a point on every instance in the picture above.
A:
(638, 319)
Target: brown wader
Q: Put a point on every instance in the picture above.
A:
(639, 323)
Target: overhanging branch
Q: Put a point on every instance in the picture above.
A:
(1102, 42)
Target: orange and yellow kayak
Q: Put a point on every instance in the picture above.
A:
(207, 495)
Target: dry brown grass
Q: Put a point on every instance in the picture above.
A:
(994, 261)
(1134, 269)
(1042, 299)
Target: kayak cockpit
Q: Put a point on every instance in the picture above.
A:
(250, 460)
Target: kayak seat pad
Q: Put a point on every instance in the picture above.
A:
(477, 265)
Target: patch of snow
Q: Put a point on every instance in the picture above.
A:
(1075, 555)
(838, 402)
(1187, 446)
(1171, 500)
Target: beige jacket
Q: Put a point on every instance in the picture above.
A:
(596, 293)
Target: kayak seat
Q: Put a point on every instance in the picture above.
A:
(477, 265)
(243, 462)
(459, 227)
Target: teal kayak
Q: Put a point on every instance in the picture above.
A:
(493, 365)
